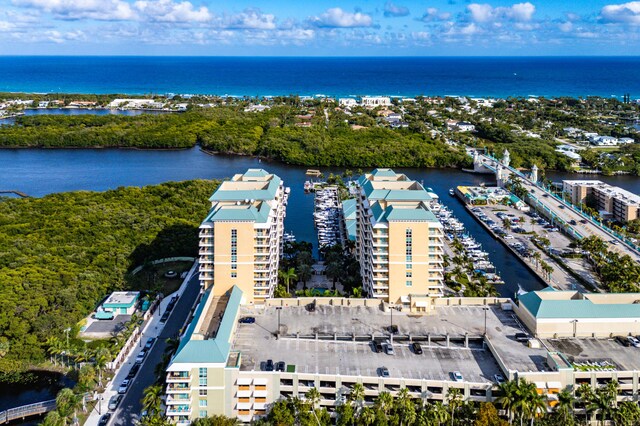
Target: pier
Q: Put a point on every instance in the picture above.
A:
(18, 193)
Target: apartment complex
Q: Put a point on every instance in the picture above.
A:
(241, 237)
(239, 369)
(621, 204)
(399, 241)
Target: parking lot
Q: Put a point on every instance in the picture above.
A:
(257, 342)
(583, 350)
(518, 237)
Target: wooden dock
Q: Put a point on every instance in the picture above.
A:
(18, 193)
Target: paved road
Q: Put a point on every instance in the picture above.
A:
(130, 407)
(568, 213)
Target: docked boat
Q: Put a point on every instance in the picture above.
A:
(451, 191)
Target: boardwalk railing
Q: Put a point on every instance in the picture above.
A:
(27, 411)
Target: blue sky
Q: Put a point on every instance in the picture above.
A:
(319, 28)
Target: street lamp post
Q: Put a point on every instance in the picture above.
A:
(575, 327)
(485, 309)
(279, 308)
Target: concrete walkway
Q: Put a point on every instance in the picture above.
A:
(153, 328)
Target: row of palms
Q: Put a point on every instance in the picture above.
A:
(520, 401)
(617, 273)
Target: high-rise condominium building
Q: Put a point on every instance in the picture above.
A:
(241, 237)
(399, 240)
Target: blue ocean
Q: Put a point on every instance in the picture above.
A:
(334, 76)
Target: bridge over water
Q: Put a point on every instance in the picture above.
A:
(561, 213)
(29, 410)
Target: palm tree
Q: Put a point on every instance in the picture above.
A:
(172, 345)
(67, 403)
(287, 275)
(405, 407)
(564, 409)
(454, 399)
(304, 273)
(438, 413)
(384, 402)
(152, 400)
(313, 396)
(367, 416)
(101, 359)
(357, 395)
(507, 399)
(585, 395)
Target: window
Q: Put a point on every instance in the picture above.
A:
(409, 266)
(234, 250)
(202, 403)
(202, 392)
(409, 283)
(202, 375)
(234, 274)
(409, 274)
(202, 413)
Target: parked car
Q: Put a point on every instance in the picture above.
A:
(124, 386)
(376, 346)
(498, 378)
(384, 372)
(247, 320)
(164, 317)
(104, 420)
(150, 342)
(269, 365)
(134, 370)
(280, 366)
(114, 401)
(141, 356)
(573, 222)
(633, 341)
(584, 221)
(623, 341)
(388, 347)
(393, 329)
(456, 376)
(417, 349)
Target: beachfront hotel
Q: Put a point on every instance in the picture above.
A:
(399, 241)
(617, 203)
(241, 237)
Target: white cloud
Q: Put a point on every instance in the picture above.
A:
(628, 13)
(102, 10)
(485, 13)
(252, 19)
(168, 11)
(432, 14)
(338, 18)
(392, 10)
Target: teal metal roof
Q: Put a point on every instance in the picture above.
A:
(349, 211)
(256, 173)
(349, 208)
(384, 173)
(576, 308)
(240, 213)
(215, 350)
(267, 193)
(410, 214)
(393, 213)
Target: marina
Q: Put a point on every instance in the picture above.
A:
(459, 242)
(327, 216)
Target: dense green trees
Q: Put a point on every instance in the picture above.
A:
(618, 273)
(61, 254)
(272, 134)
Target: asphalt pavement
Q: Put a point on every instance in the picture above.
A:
(130, 407)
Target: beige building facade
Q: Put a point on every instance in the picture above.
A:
(399, 241)
(621, 204)
(241, 237)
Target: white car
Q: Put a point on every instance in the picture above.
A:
(508, 237)
(124, 386)
(634, 342)
(456, 376)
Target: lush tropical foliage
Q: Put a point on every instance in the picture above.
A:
(61, 254)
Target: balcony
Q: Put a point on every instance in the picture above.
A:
(178, 410)
(206, 233)
(206, 267)
(179, 399)
(178, 377)
(205, 259)
(206, 242)
(178, 388)
(206, 276)
(380, 278)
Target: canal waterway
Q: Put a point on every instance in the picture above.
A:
(38, 172)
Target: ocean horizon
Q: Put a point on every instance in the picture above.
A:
(500, 77)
